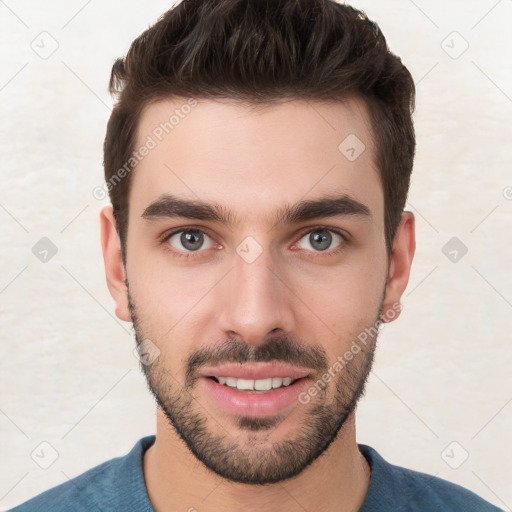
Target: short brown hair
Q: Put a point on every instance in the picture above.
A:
(262, 51)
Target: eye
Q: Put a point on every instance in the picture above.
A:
(189, 240)
(322, 239)
(186, 241)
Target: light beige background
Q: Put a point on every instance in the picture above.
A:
(68, 374)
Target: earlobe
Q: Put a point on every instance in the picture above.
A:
(404, 246)
(114, 268)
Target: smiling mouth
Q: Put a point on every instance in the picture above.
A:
(255, 385)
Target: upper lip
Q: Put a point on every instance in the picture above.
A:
(255, 371)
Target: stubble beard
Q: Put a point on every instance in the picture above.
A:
(249, 455)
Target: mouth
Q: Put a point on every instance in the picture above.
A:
(255, 385)
(254, 389)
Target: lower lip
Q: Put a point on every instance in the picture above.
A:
(256, 405)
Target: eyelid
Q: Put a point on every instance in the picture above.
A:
(321, 227)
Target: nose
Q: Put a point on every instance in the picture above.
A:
(256, 301)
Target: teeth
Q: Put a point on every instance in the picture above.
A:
(245, 384)
(263, 384)
(255, 385)
(277, 382)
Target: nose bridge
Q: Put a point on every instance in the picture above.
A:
(255, 300)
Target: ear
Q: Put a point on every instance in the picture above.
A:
(400, 263)
(114, 268)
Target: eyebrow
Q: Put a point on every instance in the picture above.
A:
(169, 206)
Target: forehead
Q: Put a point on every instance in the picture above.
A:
(254, 159)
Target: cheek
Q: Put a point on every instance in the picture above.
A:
(356, 283)
(343, 299)
(166, 286)
(174, 305)
(347, 310)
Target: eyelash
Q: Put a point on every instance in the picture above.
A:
(182, 254)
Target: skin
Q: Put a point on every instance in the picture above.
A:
(253, 162)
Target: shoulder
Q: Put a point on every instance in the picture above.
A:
(84, 492)
(105, 487)
(405, 490)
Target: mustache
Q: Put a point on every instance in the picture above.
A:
(276, 349)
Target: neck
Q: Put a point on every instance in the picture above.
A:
(176, 480)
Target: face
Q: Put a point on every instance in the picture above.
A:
(252, 285)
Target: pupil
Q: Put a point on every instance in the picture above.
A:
(191, 240)
(322, 238)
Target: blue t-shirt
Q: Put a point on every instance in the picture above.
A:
(118, 485)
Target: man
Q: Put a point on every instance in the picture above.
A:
(258, 162)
